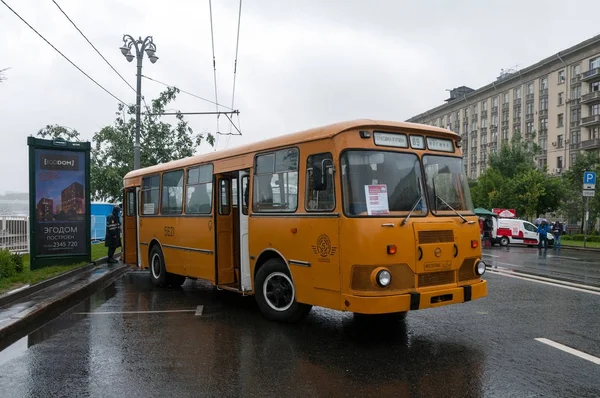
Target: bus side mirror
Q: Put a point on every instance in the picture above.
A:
(319, 178)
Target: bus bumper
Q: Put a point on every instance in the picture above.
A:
(414, 301)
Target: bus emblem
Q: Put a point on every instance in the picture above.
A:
(323, 247)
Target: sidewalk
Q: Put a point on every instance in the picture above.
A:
(25, 310)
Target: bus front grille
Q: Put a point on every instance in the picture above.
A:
(467, 270)
(441, 236)
(436, 278)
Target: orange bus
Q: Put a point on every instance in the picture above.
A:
(366, 216)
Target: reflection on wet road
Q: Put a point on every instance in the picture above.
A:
(134, 340)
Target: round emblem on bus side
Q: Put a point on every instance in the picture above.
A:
(437, 252)
(323, 245)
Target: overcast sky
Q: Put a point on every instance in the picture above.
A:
(301, 64)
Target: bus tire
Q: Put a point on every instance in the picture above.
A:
(276, 293)
(175, 280)
(158, 271)
(504, 241)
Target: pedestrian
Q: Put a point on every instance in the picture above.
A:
(112, 239)
(542, 231)
(557, 231)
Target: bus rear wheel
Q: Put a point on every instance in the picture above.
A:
(276, 294)
(158, 271)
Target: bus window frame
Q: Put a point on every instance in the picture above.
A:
(308, 183)
(141, 202)
(254, 175)
(212, 202)
(183, 175)
(450, 212)
(378, 149)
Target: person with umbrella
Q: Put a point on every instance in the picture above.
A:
(542, 231)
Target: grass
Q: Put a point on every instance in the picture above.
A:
(30, 277)
(576, 243)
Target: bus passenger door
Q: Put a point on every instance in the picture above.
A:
(224, 233)
(130, 228)
(243, 192)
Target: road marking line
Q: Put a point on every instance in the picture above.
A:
(570, 350)
(130, 312)
(490, 255)
(542, 278)
(199, 310)
(545, 283)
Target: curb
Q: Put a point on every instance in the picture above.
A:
(581, 249)
(46, 310)
(11, 297)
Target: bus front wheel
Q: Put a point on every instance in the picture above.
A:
(276, 294)
(158, 271)
(504, 241)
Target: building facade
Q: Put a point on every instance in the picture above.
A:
(555, 102)
(72, 199)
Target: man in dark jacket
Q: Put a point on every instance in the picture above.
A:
(113, 234)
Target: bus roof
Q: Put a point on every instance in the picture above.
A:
(314, 134)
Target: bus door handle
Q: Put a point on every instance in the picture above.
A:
(389, 224)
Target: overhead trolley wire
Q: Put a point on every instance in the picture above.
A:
(212, 37)
(237, 44)
(63, 55)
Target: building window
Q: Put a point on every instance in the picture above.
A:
(595, 109)
(529, 128)
(150, 188)
(505, 98)
(198, 190)
(466, 112)
(544, 104)
(276, 181)
(172, 193)
(576, 69)
(561, 120)
(494, 101)
(594, 133)
(484, 123)
(530, 108)
(517, 111)
(576, 92)
(323, 200)
(561, 98)
(505, 133)
(544, 123)
(559, 162)
(517, 93)
(530, 88)
(575, 115)
(561, 76)
(484, 106)
(475, 109)
(542, 163)
(575, 137)
(573, 158)
(559, 141)
(543, 83)
(594, 63)
(543, 143)
(494, 121)
(595, 86)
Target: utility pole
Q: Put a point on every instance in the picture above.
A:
(140, 46)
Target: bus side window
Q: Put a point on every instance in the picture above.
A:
(323, 200)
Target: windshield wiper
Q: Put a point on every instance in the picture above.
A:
(450, 207)
(415, 205)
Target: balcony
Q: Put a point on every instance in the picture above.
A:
(575, 145)
(576, 79)
(576, 103)
(494, 110)
(517, 102)
(529, 117)
(517, 120)
(544, 92)
(575, 123)
(474, 118)
(590, 121)
(543, 132)
(543, 113)
(504, 123)
(530, 97)
(591, 144)
(591, 97)
(591, 75)
(542, 154)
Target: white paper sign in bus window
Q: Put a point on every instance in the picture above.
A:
(377, 200)
(440, 144)
(417, 142)
(388, 139)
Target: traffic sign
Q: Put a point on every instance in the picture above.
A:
(589, 192)
(589, 179)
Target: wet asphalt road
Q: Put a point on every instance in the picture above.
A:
(112, 346)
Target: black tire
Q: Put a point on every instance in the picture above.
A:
(276, 294)
(392, 318)
(504, 241)
(158, 271)
(175, 280)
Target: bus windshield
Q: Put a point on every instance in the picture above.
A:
(380, 183)
(447, 186)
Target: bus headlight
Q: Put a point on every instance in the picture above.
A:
(384, 278)
(480, 268)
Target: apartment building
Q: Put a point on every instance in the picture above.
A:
(556, 101)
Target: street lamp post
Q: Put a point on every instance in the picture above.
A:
(140, 46)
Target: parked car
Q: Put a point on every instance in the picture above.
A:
(511, 230)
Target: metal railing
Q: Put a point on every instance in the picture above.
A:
(14, 233)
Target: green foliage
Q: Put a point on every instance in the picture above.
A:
(10, 264)
(112, 149)
(579, 238)
(112, 155)
(572, 181)
(513, 181)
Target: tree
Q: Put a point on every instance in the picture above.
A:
(574, 203)
(112, 153)
(2, 74)
(54, 131)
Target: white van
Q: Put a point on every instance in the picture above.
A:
(511, 230)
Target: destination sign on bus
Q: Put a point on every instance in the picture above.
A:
(388, 139)
(417, 142)
(440, 144)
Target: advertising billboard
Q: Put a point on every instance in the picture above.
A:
(59, 179)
